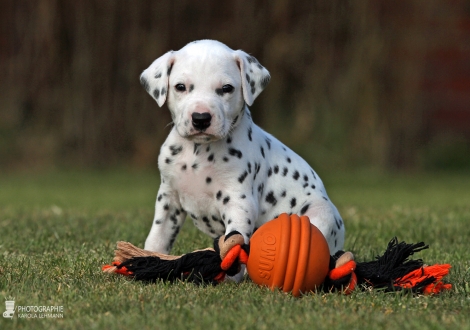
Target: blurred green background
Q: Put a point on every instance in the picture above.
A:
(355, 84)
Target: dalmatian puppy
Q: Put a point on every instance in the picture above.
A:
(217, 165)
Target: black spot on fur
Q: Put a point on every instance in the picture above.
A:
(276, 169)
(325, 198)
(313, 173)
(249, 167)
(242, 177)
(234, 121)
(268, 143)
(219, 91)
(249, 134)
(296, 175)
(159, 198)
(305, 185)
(243, 196)
(248, 79)
(261, 188)
(304, 209)
(195, 166)
(288, 159)
(226, 200)
(196, 148)
(270, 172)
(229, 139)
(312, 186)
(184, 167)
(166, 207)
(225, 159)
(168, 71)
(284, 171)
(235, 152)
(265, 81)
(293, 202)
(175, 149)
(257, 168)
(211, 157)
(156, 93)
(251, 59)
(158, 222)
(193, 216)
(158, 75)
(219, 195)
(144, 82)
(208, 180)
(262, 152)
(283, 193)
(271, 199)
(191, 88)
(163, 91)
(168, 160)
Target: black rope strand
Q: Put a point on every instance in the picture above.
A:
(392, 265)
(197, 267)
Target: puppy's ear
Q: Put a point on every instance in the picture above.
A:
(254, 76)
(155, 78)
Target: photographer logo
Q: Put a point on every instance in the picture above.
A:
(10, 308)
(32, 312)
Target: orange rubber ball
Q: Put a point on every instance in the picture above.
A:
(289, 253)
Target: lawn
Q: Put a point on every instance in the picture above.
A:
(57, 229)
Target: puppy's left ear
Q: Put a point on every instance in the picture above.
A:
(254, 76)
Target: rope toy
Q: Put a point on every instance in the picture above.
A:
(287, 253)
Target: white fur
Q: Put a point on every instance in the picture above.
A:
(231, 175)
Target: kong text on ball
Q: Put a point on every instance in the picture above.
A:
(289, 253)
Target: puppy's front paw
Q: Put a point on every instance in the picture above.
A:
(225, 243)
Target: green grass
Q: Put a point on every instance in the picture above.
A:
(57, 229)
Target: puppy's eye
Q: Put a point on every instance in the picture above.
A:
(227, 89)
(180, 87)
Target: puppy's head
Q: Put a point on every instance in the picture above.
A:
(206, 85)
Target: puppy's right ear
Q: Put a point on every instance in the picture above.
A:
(155, 78)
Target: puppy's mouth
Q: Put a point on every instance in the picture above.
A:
(202, 137)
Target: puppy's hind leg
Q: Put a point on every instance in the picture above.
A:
(325, 216)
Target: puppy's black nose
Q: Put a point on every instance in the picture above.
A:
(201, 120)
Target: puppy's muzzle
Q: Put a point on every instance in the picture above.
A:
(201, 121)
